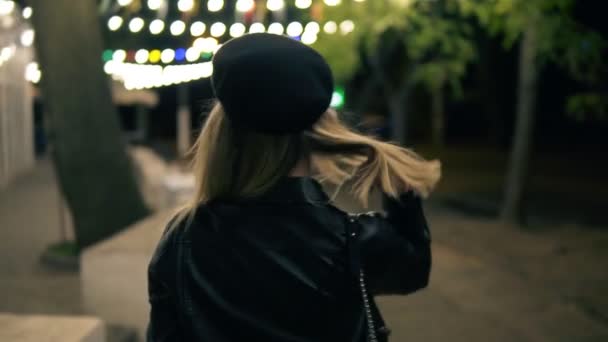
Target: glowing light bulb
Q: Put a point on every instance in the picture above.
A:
(215, 5)
(309, 37)
(245, 5)
(154, 4)
(218, 29)
(141, 56)
(185, 5)
(205, 44)
(275, 5)
(257, 28)
(276, 28)
(294, 29)
(347, 26)
(124, 2)
(177, 27)
(136, 24)
(192, 54)
(27, 37)
(313, 27)
(332, 2)
(6, 7)
(330, 27)
(32, 72)
(154, 56)
(197, 28)
(237, 30)
(167, 56)
(303, 3)
(114, 23)
(27, 12)
(119, 56)
(157, 26)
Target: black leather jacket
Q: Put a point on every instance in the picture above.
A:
(276, 268)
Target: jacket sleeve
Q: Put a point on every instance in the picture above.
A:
(395, 247)
(164, 315)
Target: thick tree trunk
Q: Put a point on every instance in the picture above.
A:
(437, 116)
(522, 140)
(94, 171)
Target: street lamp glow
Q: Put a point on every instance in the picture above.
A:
(257, 28)
(275, 5)
(6, 7)
(215, 5)
(217, 29)
(119, 56)
(294, 29)
(347, 26)
(141, 56)
(197, 28)
(157, 26)
(330, 27)
(276, 28)
(177, 27)
(154, 4)
(27, 37)
(244, 5)
(27, 12)
(136, 24)
(114, 23)
(167, 56)
(124, 2)
(237, 30)
(185, 5)
(302, 4)
(333, 2)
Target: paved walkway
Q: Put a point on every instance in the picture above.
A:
(489, 283)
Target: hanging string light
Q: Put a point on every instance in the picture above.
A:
(27, 12)
(333, 2)
(177, 27)
(6, 7)
(157, 26)
(330, 27)
(27, 37)
(154, 4)
(114, 23)
(32, 72)
(275, 5)
(141, 56)
(197, 28)
(237, 30)
(303, 4)
(276, 28)
(136, 24)
(347, 26)
(167, 56)
(215, 5)
(217, 29)
(185, 5)
(294, 29)
(124, 2)
(257, 28)
(245, 5)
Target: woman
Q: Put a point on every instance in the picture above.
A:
(261, 254)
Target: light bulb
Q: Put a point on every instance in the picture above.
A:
(119, 56)
(313, 27)
(217, 29)
(303, 3)
(136, 24)
(157, 26)
(330, 27)
(114, 23)
(276, 28)
(294, 29)
(27, 37)
(245, 5)
(332, 2)
(237, 30)
(197, 28)
(141, 56)
(347, 26)
(167, 56)
(185, 5)
(177, 27)
(309, 37)
(124, 2)
(154, 4)
(27, 12)
(257, 28)
(275, 5)
(215, 5)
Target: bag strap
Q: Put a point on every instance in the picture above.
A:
(353, 228)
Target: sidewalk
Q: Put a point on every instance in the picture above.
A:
(489, 283)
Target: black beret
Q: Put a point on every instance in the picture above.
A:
(271, 83)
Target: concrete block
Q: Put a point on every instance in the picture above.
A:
(40, 328)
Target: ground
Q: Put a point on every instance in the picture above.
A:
(489, 282)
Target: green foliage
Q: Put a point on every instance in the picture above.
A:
(586, 105)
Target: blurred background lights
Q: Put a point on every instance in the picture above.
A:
(167, 56)
(257, 28)
(6, 7)
(330, 27)
(276, 28)
(32, 72)
(217, 29)
(157, 26)
(275, 5)
(294, 29)
(337, 99)
(303, 3)
(114, 23)
(332, 2)
(27, 12)
(185, 5)
(124, 2)
(309, 37)
(154, 56)
(27, 37)
(237, 30)
(313, 27)
(206, 44)
(141, 56)
(119, 55)
(215, 5)
(177, 27)
(136, 24)
(197, 28)
(192, 54)
(154, 4)
(245, 5)
(180, 54)
(347, 26)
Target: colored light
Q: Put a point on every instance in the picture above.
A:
(107, 55)
(347, 26)
(303, 3)
(245, 5)
(180, 54)
(276, 28)
(27, 37)
(337, 98)
(119, 56)
(27, 12)
(237, 30)
(192, 54)
(197, 29)
(177, 27)
(141, 56)
(275, 5)
(294, 29)
(330, 27)
(218, 29)
(136, 24)
(114, 23)
(215, 5)
(167, 56)
(154, 56)
(185, 5)
(257, 28)
(157, 26)
(154, 4)
(332, 2)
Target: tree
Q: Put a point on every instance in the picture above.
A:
(547, 34)
(404, 43)
(89, 154)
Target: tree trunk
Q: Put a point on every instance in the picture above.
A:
(94, 171)
(437, 116)
(522, 140)
(398, 116)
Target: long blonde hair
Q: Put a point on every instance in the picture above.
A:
(231, 162)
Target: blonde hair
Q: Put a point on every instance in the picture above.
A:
(231, 162)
